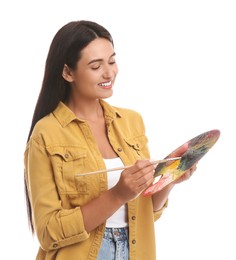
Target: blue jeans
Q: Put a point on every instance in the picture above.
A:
(115, 244)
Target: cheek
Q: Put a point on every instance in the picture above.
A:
(84, 79)
(87, 82)
(116, 69)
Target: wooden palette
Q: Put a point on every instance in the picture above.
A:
(171, 171)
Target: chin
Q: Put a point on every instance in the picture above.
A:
(107, 95)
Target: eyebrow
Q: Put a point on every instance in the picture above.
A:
(98, 60)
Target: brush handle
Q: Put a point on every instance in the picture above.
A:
(125, 167)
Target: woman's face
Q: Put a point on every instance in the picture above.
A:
(95, 72)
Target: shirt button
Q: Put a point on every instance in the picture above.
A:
(66, 155)
(55, 245)
(119, 149)
(94, 251)
(133, 217)
(133, 241)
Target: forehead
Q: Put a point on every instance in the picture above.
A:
(98, 48)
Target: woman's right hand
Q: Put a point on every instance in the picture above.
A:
(134, 180)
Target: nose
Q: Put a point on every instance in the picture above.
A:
(108, 72)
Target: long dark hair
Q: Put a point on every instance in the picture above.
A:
(65, 48)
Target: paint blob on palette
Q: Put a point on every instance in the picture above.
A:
(171, 171)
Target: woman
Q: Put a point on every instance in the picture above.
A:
(74, 131)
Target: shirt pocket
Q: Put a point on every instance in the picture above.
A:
(66, 162)
(138, 146)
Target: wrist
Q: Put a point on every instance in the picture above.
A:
(116, 197)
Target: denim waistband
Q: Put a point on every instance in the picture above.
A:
(116, 234)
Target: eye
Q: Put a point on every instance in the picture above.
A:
(112, 61)
(95, 67)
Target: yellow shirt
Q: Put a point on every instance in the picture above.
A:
(61, 146)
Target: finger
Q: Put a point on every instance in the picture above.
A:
(142, 167)
(146, 179)
(193, 169)
(180, 151)
(190, 172)
(142, 185)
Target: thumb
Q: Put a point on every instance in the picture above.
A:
(179, 151)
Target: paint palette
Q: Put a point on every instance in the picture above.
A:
(171, 171)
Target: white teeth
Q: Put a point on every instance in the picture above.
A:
(105, 84)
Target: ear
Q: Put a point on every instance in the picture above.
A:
(66, 73)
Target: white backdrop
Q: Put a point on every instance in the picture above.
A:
(177, 62)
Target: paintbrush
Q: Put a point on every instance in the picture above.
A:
(125, 167)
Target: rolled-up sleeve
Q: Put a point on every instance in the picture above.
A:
(157, 214)
(55, 226)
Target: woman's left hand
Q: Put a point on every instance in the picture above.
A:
(186, 175)
(179, 152)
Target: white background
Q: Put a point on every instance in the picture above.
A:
(177, 62)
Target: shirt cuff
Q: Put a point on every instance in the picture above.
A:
(74, 231)
(157, 214)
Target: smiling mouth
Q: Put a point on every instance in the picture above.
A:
(106, 84)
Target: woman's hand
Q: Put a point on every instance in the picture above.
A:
(179, 152)
(159, 198)
(134, 180)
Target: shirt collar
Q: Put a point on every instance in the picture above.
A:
(64, 115)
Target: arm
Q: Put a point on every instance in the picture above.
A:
(51, 221)
(132, 182)
(59, 227)
(159, 199)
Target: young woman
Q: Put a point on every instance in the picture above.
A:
(74, 131)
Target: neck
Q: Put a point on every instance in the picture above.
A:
(89, 111)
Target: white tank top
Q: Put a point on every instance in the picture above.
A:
(119, 218)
